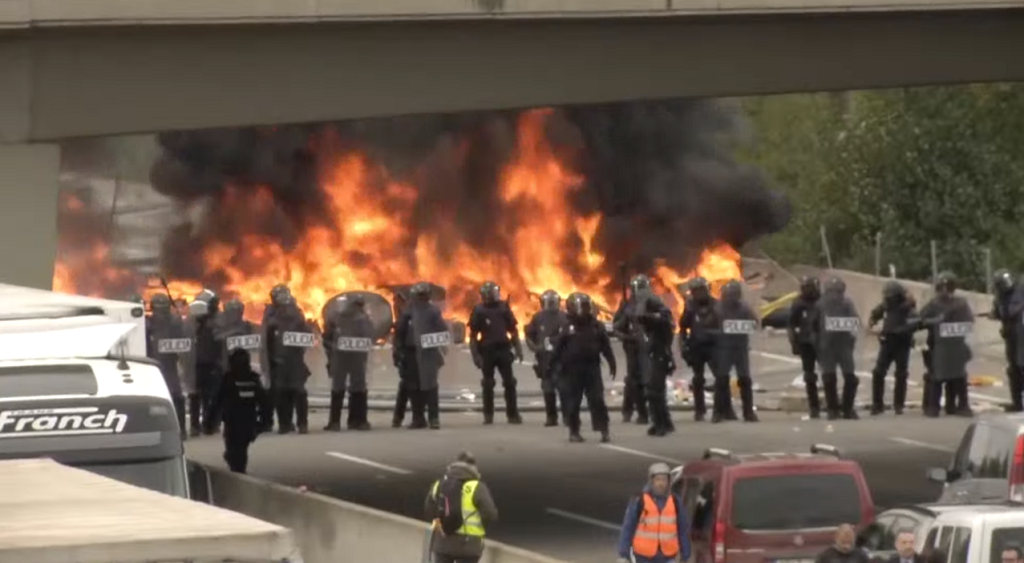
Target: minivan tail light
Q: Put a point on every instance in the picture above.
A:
(718, 542)
(1017, 471)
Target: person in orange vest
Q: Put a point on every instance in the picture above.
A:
(655, 529)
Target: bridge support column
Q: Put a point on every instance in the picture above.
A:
(29, 177)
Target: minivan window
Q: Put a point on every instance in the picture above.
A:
(978, 451)
(999, 451)
(691, 487)
(945, 538)
(960, 458)
(929, 542)
(795, 501)
(961, 545)
(1003, 537)
(703, 515)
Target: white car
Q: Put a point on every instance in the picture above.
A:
(976, 533)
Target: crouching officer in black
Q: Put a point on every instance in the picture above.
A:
(897, 311)
(1004, 288)
(493, 337)
(541, 333)
(240, 403)
(657, 322)
(577, 358)
(802, 338)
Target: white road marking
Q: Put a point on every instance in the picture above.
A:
(925, 445)
(583, 519)
(369, 463)
(639, 453)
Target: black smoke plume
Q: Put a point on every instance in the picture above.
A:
(663, 174)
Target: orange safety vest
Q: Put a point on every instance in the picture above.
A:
(657, 529)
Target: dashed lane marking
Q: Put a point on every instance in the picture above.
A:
(924, 445)
(583, 519)
(639, 453)
(369, 463)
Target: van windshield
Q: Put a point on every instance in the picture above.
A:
(162, 475)
(803, 501)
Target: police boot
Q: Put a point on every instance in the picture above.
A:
(643, 415)
(401, 400)
(419, 405)
(285, 411)
(720, 407)
(334, 411)
(850, 383)
(302, 412)
(963, 402)
(930, 402)
(747, 399)
(194, 410)
(512, 406)
(730, 412)
(830, 382)
(359, 411)
(629, 400)
(551, 409)
(434, 409)
(657, 417)
(877, 393)
(950, 396)
(813, 400)
(1013, 379)
(487, 395)
(700, 409)
(899, 393)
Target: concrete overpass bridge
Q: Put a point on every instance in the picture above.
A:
(72, 68)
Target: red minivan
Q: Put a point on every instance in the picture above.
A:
(771, 507)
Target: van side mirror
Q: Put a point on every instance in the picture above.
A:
(938, 475)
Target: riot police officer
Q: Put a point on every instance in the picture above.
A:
(658, 323)
(836, 324)
(949, 321)
(577, 358)
(293, 335)
(348, 339)
(541, 333)
(626, 327)
(896, 338)
(278, 298)
(208, 367)
(493, 337)
(421, 339)
(732, 351)
(166, 343)
(239, 403)
(698, 326)
(802, 338)
(1003, 287)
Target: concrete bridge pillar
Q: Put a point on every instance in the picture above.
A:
(29, 176)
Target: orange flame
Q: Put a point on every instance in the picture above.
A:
(368, 244)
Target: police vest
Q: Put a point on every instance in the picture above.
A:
(657, 529)
(472, 525)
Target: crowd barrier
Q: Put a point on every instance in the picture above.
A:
(329, 530)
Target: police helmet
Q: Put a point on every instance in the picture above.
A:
(421, 291)
(579, 304)
(235, 308)
(945, 281)
(550, 300)
(136, 298)
(1002, 281)
(279, 289)
(836, 286)
(732, 290)
(893, 290)
(640, 283)
(810, 285)
(490, 292)
(198, 308)
(659, 468)
(160, 302)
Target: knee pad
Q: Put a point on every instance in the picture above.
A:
(810, 378)
(829, 378)
(509, 383)
(745, 382)
(487, 383)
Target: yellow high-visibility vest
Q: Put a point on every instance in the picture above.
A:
(472, 525)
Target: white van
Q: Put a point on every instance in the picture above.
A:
(977, 533)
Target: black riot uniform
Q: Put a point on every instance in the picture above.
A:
(836, 324)
(293, 336)
(626, 327)
(898, 312)
(348, 339)
(949, 321)
(541, 333)
(1010, 330)
(278, 296)
(732, 352)
(802, 338)
(658, 325)
(208, 367)
(493, 338)
(421, 339)
(577, 358)
(166, 343)
(239, 403)
(698, 327)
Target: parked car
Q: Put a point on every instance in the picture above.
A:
(976, 533)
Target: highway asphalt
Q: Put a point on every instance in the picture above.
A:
(567, 500)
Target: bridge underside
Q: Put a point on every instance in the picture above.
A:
(65, 82)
